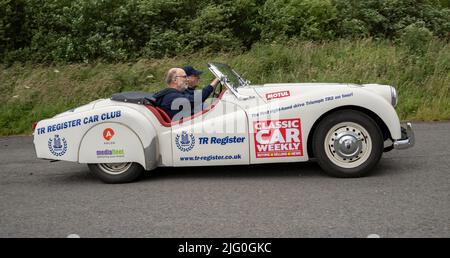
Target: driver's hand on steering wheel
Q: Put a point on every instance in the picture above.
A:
(214, 82)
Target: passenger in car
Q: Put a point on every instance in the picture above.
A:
(175, 101)
(193, 77)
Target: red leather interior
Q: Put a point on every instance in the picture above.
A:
(159, 116)
(164, 115)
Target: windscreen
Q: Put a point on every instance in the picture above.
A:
(233, 79)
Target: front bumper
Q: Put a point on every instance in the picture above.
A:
(407, 140)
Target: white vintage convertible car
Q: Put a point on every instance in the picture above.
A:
(344, 127)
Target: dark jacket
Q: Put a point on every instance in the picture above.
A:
(165, 98)
(189, 90)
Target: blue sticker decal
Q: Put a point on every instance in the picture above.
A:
(57, 145)
(185, 142)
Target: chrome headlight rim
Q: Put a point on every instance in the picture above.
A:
(394, 96)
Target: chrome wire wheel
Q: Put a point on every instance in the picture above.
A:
(348, 145)
(115, 168)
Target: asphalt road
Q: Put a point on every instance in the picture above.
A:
(407, 196)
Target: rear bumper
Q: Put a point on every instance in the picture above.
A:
(407, 140)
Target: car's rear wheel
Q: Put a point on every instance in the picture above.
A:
(113, 173)
(347, 143)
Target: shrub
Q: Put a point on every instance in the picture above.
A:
(71, 31)
(416, 38)
(307, 19)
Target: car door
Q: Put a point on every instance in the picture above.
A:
(216, 136)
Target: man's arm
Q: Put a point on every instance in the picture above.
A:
(209, 89)
(206, 91)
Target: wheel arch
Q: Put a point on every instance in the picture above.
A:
(88, 142)
(381, 124)
(136, 126)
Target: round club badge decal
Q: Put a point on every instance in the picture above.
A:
(185, 142)
(57, 145)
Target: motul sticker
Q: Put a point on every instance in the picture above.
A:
(278, 138)
(277, 95)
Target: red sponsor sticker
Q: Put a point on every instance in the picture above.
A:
(278, 138)
(108, 133)
(277, 95)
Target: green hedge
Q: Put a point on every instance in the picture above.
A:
(46, 31)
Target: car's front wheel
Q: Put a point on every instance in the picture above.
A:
(347, 143)
(113, 173)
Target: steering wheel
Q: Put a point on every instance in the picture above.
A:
(217, 90)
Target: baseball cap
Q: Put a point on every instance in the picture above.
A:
(189, 70)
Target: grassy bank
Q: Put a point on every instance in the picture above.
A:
(29, 93)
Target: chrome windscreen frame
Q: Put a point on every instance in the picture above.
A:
(225, 81)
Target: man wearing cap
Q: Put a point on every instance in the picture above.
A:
(193, 76)
(174, 100)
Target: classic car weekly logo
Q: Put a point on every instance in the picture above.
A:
(185, 142)
(277, 95)
(278, 138)
(57, 145)
(108, 133)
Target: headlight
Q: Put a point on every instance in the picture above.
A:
(394, 97)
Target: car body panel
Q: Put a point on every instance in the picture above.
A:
(216, 138)
(309, 104)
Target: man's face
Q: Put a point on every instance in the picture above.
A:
(193, 81)
(181, 80)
